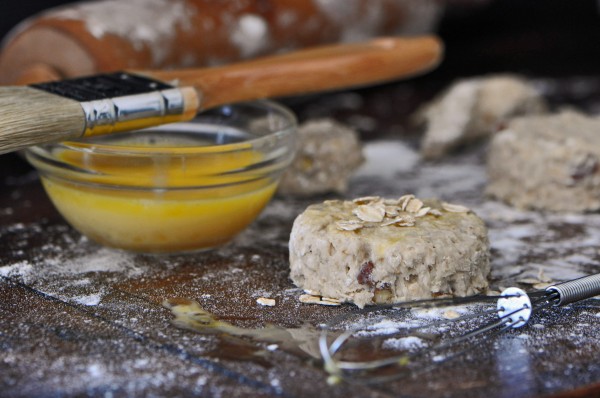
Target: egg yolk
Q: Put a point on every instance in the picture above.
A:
(162, 204)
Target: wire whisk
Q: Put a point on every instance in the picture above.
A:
(513, 309)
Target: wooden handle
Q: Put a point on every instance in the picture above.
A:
(312, 70)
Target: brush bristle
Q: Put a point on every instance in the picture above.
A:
(30, 116)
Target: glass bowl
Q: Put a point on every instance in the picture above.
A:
(176, 188)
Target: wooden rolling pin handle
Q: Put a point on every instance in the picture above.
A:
(90, 37)
(36, 73)
(313, 70)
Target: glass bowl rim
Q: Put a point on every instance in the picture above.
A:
(123, 150)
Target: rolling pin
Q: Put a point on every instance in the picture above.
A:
(91, 37)
(124, 101)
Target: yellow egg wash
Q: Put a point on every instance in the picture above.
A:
(164, 203)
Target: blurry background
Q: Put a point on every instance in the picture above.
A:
(549, 37)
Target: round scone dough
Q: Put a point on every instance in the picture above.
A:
(328, 154)
(547, 163)
(375, 251)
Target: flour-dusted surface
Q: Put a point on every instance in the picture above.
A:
(397, 255)
(77, 319)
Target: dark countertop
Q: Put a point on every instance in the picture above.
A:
(77, 319)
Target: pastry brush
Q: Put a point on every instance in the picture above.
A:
(123, 101)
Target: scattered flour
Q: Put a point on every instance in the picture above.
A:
(102, 260)
(91, 300)
(404, 343)
(147, 24)
(22, 269)
(250, 35)
(367, 327)
(447, 181)
(386, 159)
(518, 235)
(68, 274)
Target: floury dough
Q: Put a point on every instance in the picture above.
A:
(474, 108)
(328, 154)
(547, 163)
(374, 251)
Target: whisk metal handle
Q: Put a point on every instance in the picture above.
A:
(576, 290)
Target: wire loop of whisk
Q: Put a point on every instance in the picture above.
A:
(513, 310)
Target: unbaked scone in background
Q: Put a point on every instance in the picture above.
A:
(549, 162)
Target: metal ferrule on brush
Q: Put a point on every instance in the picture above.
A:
(121, 101)
(133, 111)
